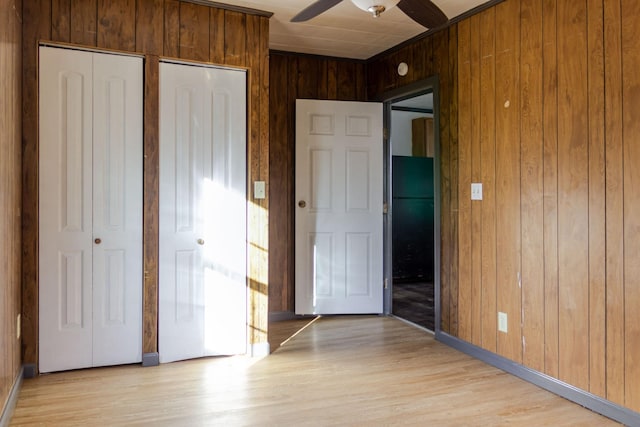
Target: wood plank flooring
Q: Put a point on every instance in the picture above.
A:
(345, 370)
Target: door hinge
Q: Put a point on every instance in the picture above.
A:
(385, 208)
(386, 283)
(385, 133)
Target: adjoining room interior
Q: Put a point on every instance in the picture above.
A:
(412, 209)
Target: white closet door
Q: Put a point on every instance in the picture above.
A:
(65, 234)
(90, 179)
(202, 271)
(117, 209)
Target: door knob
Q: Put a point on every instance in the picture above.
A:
(302, 203)
(201, 241)
(97, 241)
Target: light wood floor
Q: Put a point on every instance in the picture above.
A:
(357, 371)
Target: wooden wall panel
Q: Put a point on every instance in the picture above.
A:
(531, 207)
(117, 24)
(261, 303)
(464, 180)
(476, 206)
(308, 78)
(455, 211)
(216, 36)
(280, 177)
(332, 79)
(346, 78)
(149, 21)
(489, 318)
(151, 204)
(550, 185)
(422, 59)
(614, 208)
(258, 164)
(61, 20)
(171, 41)
(194, 32)
(441, 64)
(151, 27)
(630, 12)
(597, 219)
(10, 193)
(84, 23)
(34, 12)
(573, 195)
(323, 79)
(234, 39)
(296, 76)
(508, 243)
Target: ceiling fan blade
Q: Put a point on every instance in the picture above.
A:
(424, 12)
(314, 10)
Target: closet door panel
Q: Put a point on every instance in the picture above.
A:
(65, 219)
(90, 209)
(117, 209)
(181, 322)
(203, 247)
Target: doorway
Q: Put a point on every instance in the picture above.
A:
(412, 197)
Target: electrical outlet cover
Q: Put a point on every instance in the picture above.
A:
(502, 322)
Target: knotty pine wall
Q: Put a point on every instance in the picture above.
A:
(296, 76)
(10, 192)
(540, 104)
(155, 28)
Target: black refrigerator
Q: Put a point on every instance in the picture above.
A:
(413, 218)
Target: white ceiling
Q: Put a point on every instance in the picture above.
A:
(344, 30)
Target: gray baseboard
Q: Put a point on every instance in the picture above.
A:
(7, 411)
(280, 316)
(569, 392)
(150, 359)
(30, 370)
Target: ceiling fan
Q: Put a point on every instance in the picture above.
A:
(424, 12)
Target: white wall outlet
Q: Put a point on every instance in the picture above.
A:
(18, 326)
(502, 322)
(259, 190)
(476, 191)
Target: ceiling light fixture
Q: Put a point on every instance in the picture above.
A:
(376, 7)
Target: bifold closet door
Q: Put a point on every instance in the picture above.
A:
(90, 209)
(203, 245)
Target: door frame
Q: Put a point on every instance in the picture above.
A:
(430, 84)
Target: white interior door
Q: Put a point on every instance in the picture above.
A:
(339, 208)
(90, 209)
(203, 246)
(117, 209)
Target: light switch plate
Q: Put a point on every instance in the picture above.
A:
(259, 190)
(476, 191)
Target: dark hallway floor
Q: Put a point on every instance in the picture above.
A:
(414, 301)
